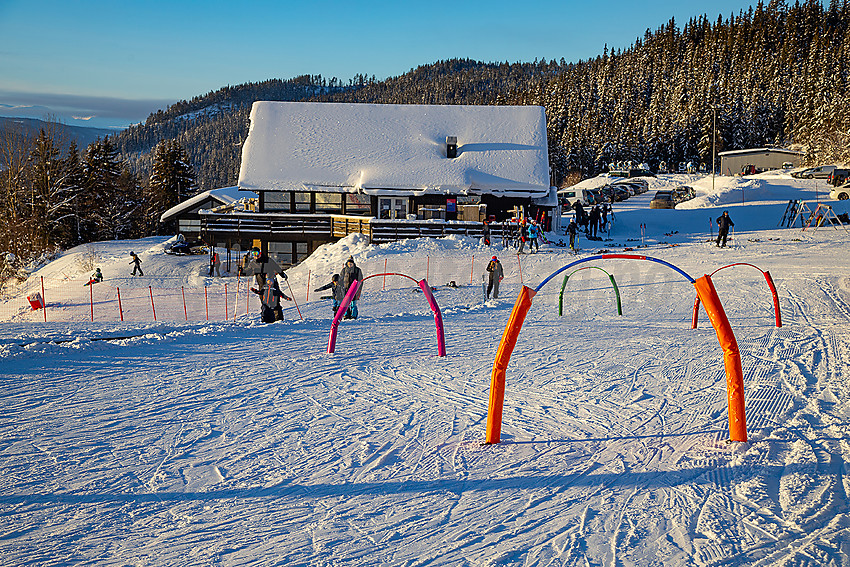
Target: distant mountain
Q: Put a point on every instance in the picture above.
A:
(82, 135)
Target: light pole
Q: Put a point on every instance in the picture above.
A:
(713, 141)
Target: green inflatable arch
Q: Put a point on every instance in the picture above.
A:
(567, 277)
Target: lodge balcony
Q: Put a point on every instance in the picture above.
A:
(329, 227)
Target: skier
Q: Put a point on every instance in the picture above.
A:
(523, 236)
(215, 264)
(723, 223)
(137, 264)
(533, 235)
(593, 222)
(579, 209)
(337, 290)
(494, 268)
(486, 233)
(350, 273)
(271, 310)
(572, 230)
(96, 277)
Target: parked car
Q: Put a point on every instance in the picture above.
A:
(838, 176)
(841, 193)
(819, 172)
(183, 247)
(595, 197)
(567, 197)
(683, 193)
(663, 200)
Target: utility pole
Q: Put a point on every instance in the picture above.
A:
(713, 142)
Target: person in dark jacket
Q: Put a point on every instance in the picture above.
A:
(593, 222)
(724, 222)
(580, 214)
(523, 236)
(350, 273)
(572, 230)
(486, 231)
(137, 264)
(96, 277)
(271, 295)
(496, 275)
(336, 289)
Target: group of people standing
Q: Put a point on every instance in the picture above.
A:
(340, 284)
(594, 221)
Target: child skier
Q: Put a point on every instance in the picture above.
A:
(338, 292)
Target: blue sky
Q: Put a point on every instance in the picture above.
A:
(112, 63)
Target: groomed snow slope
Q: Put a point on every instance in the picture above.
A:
(238, 443)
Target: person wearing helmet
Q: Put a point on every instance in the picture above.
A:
(137, 264)
(338, 292)
(496, 275)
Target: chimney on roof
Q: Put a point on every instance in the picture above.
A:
(451, 147)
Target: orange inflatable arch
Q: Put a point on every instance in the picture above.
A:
(707, 294)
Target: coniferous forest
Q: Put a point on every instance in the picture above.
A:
(774, 74)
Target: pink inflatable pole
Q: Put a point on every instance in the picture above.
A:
(343, 307)
(438, 317)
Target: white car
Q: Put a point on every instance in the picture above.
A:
(841, 193)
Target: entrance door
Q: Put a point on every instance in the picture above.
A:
(392, 207)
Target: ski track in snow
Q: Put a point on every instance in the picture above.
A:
(245, 444)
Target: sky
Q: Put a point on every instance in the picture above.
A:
(110, 64)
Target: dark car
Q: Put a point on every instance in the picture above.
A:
(182, 247)
(838, 176)
(663, 200)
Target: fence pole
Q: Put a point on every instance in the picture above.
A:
(293, 299)
(308, 287)
(153, 309)
(247, 298)
(185, 312)
(225, 299)
(91, 300)
(518, 261)
(384, 288)
(428, 268)
(472, 270)
(120, 310)
(43, 300)
(206, 303)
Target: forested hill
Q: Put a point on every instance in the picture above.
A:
(774, 74)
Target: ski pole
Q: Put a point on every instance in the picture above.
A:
(293, 299)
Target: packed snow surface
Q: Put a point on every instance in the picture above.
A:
(239, 443)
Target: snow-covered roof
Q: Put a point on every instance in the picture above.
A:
(225, 195)
(396, 149)
(761, 151)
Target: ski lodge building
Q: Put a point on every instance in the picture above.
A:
(762, 159)
(321, 171)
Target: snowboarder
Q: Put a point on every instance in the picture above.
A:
(724, 222)
(337, 290)
(137, 264)
(271, 310)
(572, 230)
(215, 264)
(96, 277)
(494, 268)
(350, 273)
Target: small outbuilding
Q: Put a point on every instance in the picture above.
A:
(763, 159)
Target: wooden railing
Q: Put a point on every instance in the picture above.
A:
(264, 225)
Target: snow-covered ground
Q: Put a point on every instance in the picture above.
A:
(237, 443)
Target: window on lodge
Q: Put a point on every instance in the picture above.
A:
(288, 253)
(358, 204)
(280, 201)
(302, 201)
(328, 202)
